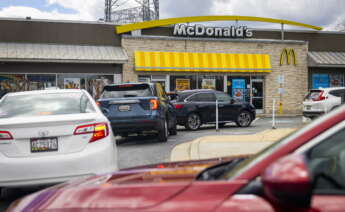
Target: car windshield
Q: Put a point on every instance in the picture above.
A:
(126, 90)
(44, 104)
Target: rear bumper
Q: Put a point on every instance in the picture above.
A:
(312, 113)
(136, 125)
(97, 158)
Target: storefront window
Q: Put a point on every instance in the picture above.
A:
(327, 80)
(96, 84)
(41, 81)
(13, 83)
(180, 83)
(153, 78)
(239, 88)
(211, 82)
(71, 81)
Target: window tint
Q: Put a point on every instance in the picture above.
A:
(126, 90)
(202, 97)
(222, 97)
(327, 161)
(313, 94)
(45, 104)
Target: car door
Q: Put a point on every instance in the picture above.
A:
(228, 110)
(205, 104)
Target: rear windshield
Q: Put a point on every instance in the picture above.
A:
(313, 94)
(45, 104)
(130, 90)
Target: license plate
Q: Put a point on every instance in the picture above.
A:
(308, 107)
(44, 144)
(123, 108)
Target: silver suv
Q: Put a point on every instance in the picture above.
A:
(323, 100)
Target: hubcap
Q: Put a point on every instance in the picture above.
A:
(244, 119)
(193, 121)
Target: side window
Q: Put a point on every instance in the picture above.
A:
(206, 97)
(327, 163)
(222, 97)
(193, 98)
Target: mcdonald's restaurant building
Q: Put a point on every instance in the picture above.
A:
(256, 66)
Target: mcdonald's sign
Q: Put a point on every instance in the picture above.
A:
(288, 54)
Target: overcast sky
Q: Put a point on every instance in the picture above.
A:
(325, 13)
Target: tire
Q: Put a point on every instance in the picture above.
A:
(244, 119)
(163, 133)
(193, 122)
(173, 130)
(221, 125)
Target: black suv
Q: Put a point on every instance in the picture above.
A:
(139, 108)
(197, 107)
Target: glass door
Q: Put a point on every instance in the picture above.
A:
(257, 94)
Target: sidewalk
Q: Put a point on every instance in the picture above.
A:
(227, 145)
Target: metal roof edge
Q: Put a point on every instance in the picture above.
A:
(146, 37)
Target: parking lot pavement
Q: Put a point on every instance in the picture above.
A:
(146, 150)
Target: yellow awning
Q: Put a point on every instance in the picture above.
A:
(201, 62)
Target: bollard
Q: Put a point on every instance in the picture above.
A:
(273, 115)
(217, 129)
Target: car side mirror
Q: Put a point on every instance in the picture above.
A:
(287, 183)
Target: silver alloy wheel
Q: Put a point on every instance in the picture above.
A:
(194, 121)
(244, 119)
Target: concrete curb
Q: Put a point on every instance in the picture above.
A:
(218, 145)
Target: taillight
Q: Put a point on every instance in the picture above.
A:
(154, 103)
(99, 131)
(98, 103)
(320, 97)
(5, 135)
(178, 106)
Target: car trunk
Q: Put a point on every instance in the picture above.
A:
(127, 102)
(54, 132)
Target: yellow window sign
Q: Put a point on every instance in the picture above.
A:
(182, 84)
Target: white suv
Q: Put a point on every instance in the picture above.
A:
(323, 100)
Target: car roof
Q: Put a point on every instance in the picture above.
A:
(45, 92)
(130, 83)
(328, 89)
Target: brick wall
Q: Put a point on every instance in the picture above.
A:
(295, 77)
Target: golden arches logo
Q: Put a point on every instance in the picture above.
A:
(288, 54)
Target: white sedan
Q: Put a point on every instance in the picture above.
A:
(52, 136)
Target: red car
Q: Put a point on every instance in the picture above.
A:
(302, 172)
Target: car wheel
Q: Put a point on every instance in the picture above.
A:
(193, 121)
(173, 130)
(163, 133)
(244, 119)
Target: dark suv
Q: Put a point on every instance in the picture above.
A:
(139, 108)
(197, 107)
